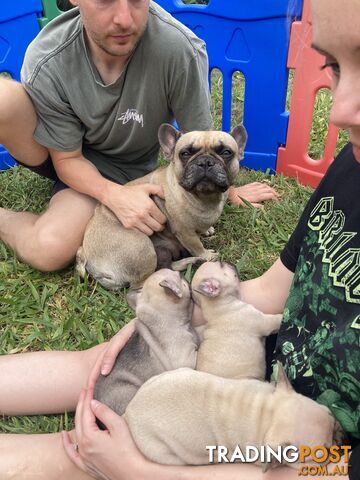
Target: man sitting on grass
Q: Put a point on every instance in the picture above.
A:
(97, 82)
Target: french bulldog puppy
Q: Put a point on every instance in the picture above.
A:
(233, 344)
(174, 416)
(163, 339)
(203, 165)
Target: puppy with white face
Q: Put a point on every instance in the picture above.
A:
(163, 339)
(234, 336)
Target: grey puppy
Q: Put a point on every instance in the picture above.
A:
(203, 165)
(233, 344)
(174, 416)
(163, 339)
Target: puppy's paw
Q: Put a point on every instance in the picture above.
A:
(210, 255)
(80, 262)
(181, 265)
(210, 232)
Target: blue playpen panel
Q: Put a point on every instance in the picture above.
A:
(17, 8)
(251, 37)
(15, 36)
(18, 27)
(6, 160)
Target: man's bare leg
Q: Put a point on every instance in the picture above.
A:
(17, 124)
(44, 382)
(36, 457)
(49, 241)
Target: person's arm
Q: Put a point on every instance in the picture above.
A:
(269, 292)
(131, 204)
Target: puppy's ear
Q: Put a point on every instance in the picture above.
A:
(172, 286)
(210, 288)
(240, 136)
(282, 381)
(168, 136)
(132, 297)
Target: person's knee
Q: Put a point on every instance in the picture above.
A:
(10, 94)
(55, 251)
(18, 122)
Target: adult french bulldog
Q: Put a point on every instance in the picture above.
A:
(203, 165)
(163, 339)
(233, 344)
(174, 416)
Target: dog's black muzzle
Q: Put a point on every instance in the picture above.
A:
(205, 174)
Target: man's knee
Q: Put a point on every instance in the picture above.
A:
(55, 250)
(11, 93)
(18, 121)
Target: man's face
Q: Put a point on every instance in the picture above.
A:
(336, 34)
(113, 27)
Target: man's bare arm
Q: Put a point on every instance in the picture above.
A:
(131, 204)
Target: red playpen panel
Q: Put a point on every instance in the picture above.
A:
(293, 159)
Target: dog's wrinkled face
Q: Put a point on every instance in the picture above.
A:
(205, 162)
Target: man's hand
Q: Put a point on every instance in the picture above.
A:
(104, 454)
(134, 207)
(254, 193)
(106, 360)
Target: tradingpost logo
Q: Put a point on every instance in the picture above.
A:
(311, 461)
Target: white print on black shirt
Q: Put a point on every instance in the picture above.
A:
(132, 114)
(344, 263)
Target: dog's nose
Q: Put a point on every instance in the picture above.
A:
(205, 162)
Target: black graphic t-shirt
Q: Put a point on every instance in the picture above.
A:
(319, 340)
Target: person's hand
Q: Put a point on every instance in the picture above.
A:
(134, 207)
(104, 454)
(254, 193)
(106, 359)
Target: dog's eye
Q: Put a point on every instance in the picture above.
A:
(226, 153)
(185, 154)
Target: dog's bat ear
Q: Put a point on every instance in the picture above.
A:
(171, 286)
(132, 297)
(210, 288)
(281, 380)
(240, 136)
(168, 136)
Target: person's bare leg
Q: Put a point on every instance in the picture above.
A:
(49, 241)
(36, 457)
(44, 382)
(17, 124)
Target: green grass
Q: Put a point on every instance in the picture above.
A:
(57, 311)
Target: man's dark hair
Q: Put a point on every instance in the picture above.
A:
(64, 5)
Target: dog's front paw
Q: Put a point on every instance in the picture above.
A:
(80, 262)
(210, 232)
(210, 255)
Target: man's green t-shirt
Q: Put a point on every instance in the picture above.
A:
(116, 125)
